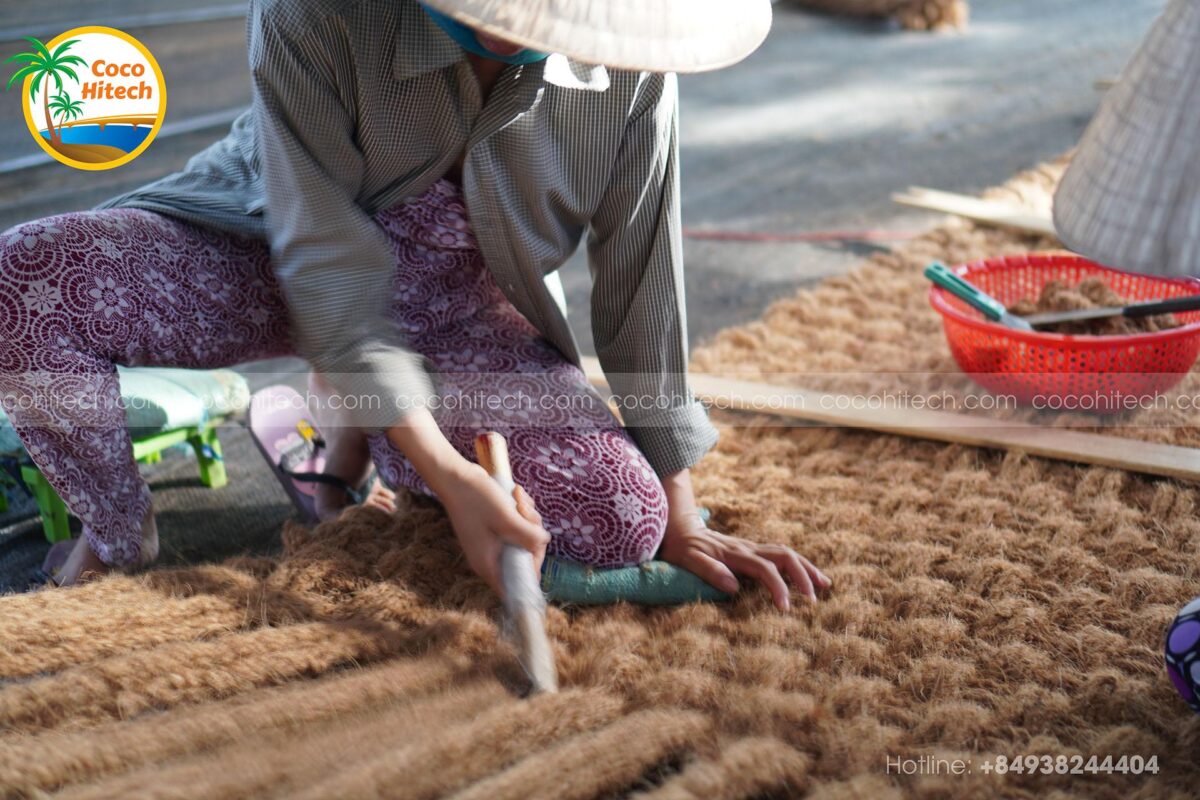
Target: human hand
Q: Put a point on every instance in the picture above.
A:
(718, 558)
(481, 513)
(484, 520)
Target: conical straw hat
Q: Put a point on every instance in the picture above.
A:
(650, 35)
(1131, 195)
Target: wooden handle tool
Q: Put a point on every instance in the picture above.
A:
(524, 603)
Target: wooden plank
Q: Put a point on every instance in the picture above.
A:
(988, 212)
(1169, 461)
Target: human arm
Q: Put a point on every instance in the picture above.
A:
(332, 261)
(639, 323)
(335, 267)
(481, 514)
(639, 320)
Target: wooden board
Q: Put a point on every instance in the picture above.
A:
(988, 212)
(1080, 447)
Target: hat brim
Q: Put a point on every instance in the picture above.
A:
(1130, 196)
(639, 35)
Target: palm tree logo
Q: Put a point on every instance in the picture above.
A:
(65, 108)
(102, 95)
(43, 66)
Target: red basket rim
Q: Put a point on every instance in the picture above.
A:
(938, 295)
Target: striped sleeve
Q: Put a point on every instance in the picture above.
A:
(332, 260)
(635, 254)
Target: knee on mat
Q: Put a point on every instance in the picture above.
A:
(605, 512)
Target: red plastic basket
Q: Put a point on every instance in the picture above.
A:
(1051, 370)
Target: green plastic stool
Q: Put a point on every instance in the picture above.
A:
(147, 450)
(163, 408)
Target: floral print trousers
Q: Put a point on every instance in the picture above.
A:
(82, 292)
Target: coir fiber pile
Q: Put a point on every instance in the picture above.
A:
(985, 603)
(921, 15)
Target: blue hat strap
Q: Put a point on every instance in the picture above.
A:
(467, 40)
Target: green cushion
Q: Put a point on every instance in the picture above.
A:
(158, 400)
(654, 583)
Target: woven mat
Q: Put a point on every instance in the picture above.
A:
(985, 604)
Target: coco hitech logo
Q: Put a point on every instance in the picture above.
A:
(94, 97)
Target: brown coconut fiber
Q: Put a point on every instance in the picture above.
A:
(985, 604)
(1088, 294)
(917, 15)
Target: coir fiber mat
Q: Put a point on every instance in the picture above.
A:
(986, 604)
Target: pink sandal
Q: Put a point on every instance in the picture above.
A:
(53, 563)
(286, 435)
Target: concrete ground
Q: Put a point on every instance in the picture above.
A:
(813, 132)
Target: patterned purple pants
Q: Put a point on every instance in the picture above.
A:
(82, 292)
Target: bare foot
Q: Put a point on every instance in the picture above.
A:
(381, 497)
(330, 501)
(83, 565)
(347, 458)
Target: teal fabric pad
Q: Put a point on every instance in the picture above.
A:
(654, 583)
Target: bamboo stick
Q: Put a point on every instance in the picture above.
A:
(524, 603)
(989, 212)
(1169, 461)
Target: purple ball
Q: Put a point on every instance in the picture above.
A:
(1182, 651)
